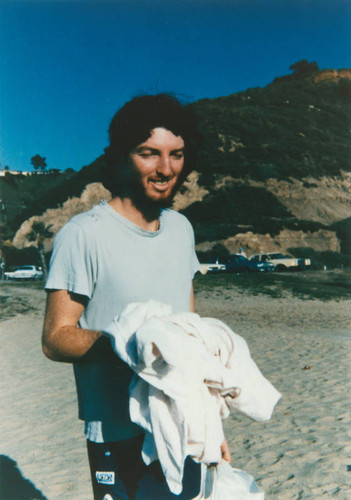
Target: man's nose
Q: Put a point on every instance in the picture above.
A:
(164, 165)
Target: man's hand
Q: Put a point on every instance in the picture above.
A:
(225, 451)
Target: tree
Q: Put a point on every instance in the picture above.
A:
(304, 67)
(38, 161)
(38, 234)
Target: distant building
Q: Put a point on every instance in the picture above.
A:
(12, 172)
(51, 171)
(15, 172)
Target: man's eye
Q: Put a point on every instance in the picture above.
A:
(178, 156)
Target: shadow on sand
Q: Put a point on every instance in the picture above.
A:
(13, 486)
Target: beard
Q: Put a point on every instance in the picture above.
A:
(127, 184)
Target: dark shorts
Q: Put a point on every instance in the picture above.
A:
(118, 472)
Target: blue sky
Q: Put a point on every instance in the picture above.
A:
(67, 66)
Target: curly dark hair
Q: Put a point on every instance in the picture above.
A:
(134, 122)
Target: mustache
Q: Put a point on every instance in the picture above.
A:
(163, 178)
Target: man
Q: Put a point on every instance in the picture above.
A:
(132, 249)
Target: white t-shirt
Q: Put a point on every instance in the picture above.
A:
(113, 262)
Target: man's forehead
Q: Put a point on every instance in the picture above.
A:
(162, 137)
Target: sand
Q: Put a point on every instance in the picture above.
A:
(302, 346)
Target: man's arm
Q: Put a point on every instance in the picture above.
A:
(192, 305)
(62, 340)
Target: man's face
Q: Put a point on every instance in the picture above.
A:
(158, 163)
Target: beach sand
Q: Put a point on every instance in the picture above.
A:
(302, 346)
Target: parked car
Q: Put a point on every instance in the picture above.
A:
(212, 266)
(265, 267)
(25, 273)
(282, 262)
(237, 263)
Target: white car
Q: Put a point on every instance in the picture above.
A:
(212, 267)
(25, 273)
(282, 262)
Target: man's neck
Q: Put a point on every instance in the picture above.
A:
(147, 220)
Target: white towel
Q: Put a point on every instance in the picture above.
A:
(188, 370)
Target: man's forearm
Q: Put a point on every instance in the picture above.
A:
(71, 344)
(62, 339)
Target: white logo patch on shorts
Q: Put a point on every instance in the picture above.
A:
(105, 477)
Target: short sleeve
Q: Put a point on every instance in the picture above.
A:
(71, 265)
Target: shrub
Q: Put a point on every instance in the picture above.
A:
(319, 260)
(15, 257)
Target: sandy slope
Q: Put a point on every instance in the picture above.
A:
(302, 346)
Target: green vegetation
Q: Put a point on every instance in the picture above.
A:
(322, 285)
(38, 161)
(343, 232)
(321, 260)
(24, 196)
(224, 213)
(294, 127)
(37, 235)
(15, 257)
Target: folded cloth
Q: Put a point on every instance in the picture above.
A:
(190, 373)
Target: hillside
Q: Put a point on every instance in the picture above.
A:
(297, 126)
(277, 159)
(24, 196)
(273, 172)
(21, 196)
